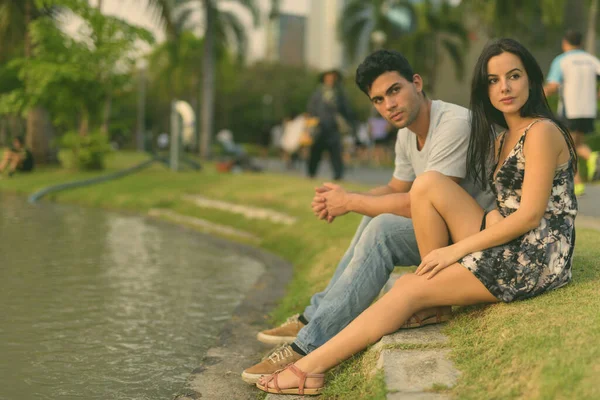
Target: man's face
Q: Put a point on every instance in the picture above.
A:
(397, 99)
(329, 79)
(16, 144)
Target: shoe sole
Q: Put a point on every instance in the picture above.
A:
(269, 339)
(428, 321)
(251, 379)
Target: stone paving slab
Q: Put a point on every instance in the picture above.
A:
(246, 211)
(206, 226)
(427, 335)
(417, 396)
(272, 396)
(417, 371)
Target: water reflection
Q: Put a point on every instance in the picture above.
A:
(103, 306)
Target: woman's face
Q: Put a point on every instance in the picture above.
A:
(508, 84)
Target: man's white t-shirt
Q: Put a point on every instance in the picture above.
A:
(576, 71)
(445, 150)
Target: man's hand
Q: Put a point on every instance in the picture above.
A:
(318, 204)
(437, 260)
(336, 200)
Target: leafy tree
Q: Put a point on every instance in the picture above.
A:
(15, 20)
(531, 21)
(67, 74)
(366, 25)
(222, 29)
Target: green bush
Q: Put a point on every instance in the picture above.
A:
(85, 152)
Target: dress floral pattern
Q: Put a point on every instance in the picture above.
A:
(540, 260)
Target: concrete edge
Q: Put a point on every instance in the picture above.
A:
(218, 375)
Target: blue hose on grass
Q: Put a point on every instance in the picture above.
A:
(85, 182)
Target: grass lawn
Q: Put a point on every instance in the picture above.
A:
(544, 348)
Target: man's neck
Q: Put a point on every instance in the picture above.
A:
(420, 125)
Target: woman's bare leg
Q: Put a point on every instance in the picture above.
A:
(454, 285)
(442, 210)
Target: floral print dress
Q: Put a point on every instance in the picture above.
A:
(540, 260)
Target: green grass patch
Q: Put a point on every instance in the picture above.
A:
(544, 348)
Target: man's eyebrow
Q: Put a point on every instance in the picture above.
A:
(388, 90)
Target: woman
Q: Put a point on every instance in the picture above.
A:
(520, 250)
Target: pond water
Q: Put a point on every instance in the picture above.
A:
(100, 305)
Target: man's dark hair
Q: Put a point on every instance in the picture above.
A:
(573, 38)
(20, 139)
(380, 62)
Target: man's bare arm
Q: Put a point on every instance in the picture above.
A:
(551, 88)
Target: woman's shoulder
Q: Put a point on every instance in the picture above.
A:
(544, 132)
(543, 126)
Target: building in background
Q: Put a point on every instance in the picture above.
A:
(305, 33)
(291, 39)
(324, 49)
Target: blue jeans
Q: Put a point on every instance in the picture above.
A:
(379, 245)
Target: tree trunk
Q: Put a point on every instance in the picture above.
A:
(38, 122)
(106, 114)
(208, 80)
(590, 40)
(84, 122)
(100, 5)
(37, 139)
(141, 111)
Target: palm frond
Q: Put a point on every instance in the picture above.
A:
(456, 54)
(251, 7)
(235, 32)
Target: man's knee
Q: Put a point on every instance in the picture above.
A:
(387, 226)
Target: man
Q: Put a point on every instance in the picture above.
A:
(574, 73)
(432, 135)
(17, 158)
(330, 106)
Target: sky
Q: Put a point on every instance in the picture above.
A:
(136, 12)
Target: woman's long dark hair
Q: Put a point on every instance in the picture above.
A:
(484, 116)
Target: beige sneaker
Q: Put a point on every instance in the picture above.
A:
(279, 359)
(284, 333)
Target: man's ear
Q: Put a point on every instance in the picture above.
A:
(418, 81)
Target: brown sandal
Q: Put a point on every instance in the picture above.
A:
(302, 376)
(416, 322)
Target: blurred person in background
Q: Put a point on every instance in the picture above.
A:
(573, 74)
(379, 131)
(330, 106)
(17, 158)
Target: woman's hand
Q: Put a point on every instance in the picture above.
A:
(437, 260)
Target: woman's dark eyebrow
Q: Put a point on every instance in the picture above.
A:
(512, 70)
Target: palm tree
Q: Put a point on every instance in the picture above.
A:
(221, 29)
(440, 32)
(366, 25)
(532, 21)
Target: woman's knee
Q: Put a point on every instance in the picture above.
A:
(424, 182)
(410, 287)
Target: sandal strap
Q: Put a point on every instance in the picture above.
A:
(273, 378)
(301, 376)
